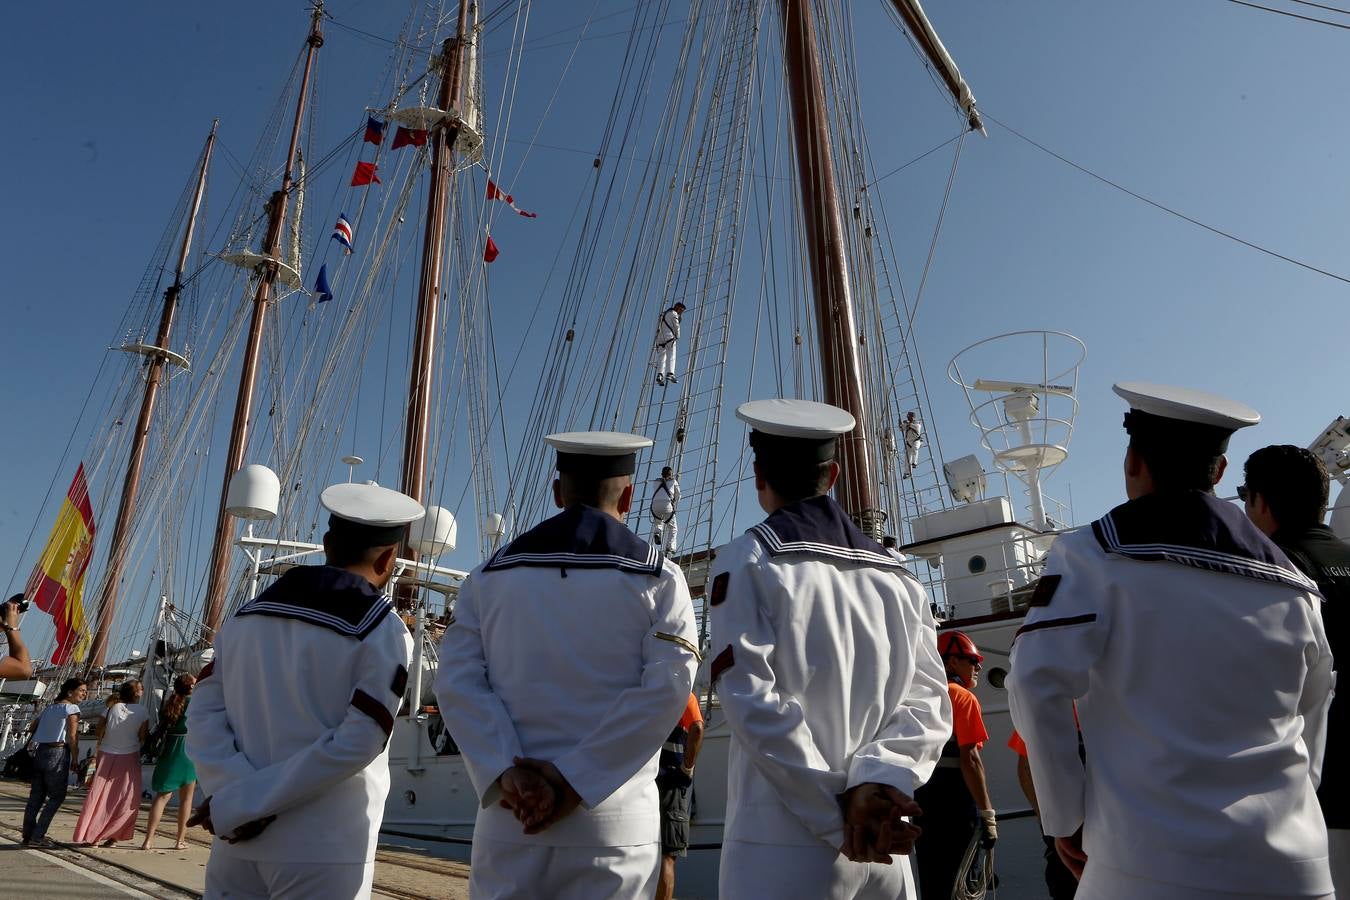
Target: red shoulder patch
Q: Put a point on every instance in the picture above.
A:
(719, 589)
(206, 671)
(725, 660)
(1045, 590)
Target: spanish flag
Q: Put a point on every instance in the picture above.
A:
(57, 583)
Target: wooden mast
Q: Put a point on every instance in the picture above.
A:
(836, 328)
(158, 359)
(218, 572)
(429, 284)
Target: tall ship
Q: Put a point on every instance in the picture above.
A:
(346, 320)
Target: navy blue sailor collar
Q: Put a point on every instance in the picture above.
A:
(1197, 529)
(817, 526)
(580, 537)
(325, 596)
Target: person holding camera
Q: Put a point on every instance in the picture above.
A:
(17, 664)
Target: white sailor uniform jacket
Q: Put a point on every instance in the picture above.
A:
(828, 672)
(668, 329)
(292, 717)
(574, 644)
(1196, 655)
(665, 495)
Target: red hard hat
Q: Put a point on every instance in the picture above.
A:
(958, 643)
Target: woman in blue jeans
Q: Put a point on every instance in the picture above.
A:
(53, 761)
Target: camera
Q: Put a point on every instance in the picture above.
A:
(20, 601)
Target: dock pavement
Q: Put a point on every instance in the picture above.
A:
(163, 872)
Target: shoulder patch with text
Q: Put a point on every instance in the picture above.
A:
(719, 589)
(1045, 590)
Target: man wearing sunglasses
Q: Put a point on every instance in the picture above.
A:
(1286, 497)
(1195, 652)
(956, 798)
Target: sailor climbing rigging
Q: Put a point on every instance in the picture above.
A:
(664, 497)
(667, 339)
(912, 429)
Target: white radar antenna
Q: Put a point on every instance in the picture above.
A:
(1022, 391)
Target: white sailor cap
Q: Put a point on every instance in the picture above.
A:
(597, 454)
(795, 427)
(1184, 417)
(379, 515)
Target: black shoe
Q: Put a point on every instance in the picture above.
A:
(660, 380)
(670, 377)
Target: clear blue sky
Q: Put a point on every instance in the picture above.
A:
(1225, 113)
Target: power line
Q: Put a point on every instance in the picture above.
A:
(1294, 15)
(1167, 209)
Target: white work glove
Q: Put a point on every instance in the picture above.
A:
(989, 827)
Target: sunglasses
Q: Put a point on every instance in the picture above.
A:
(974, 660)
(1244, 492)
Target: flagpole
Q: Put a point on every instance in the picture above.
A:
(219, 569)
(159, 356)
(429, 285)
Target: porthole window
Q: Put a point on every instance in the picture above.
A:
(996, 678)
(977, 564)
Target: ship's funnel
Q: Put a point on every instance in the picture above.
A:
(255, 493)
(435, 533)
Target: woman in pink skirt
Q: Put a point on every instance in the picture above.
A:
(114, 799)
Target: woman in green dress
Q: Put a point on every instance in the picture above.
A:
(173, 770)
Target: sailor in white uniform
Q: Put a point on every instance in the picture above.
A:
(665, 495)
(667, 339)
(290, 721)
(827, 669)
(1196, 655)
(912, 429)
(571, 653)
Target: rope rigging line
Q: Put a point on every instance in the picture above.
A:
(1294, 15)
(937, 229)
(1167, 209)
(1336, 9)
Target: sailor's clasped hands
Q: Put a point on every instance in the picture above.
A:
(874, 823)
(537, 793)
